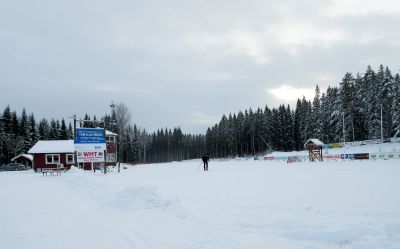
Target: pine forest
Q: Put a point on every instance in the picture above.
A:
(351, 111)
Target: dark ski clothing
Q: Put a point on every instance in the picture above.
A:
(205, 159)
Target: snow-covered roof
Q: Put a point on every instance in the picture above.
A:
(109, 133)
(53, 146)
(315, 141)
(27, 156)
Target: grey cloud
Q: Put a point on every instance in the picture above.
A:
(180, 63)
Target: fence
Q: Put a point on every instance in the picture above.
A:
(354, 156)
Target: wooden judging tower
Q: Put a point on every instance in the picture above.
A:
(314, 147)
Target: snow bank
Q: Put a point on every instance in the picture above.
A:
(139, 197)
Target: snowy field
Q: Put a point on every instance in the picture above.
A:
(237, 204)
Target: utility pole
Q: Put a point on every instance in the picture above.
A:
(112, 106)
(105, 154)
(75, 152)
(344, 132)
(381, 125)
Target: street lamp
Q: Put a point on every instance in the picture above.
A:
(112, 106)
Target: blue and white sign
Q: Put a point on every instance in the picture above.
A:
(90, 136)
(90, 144)
(347, 156)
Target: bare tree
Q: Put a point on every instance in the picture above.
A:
(123, 117)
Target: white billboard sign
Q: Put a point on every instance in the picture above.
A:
(90, 145)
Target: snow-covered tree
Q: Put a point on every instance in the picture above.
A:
(24, 132)
(346, 98)
(316, 122)
(360, 109)
(373, 102)
(43, 129)
(395, 110)
(63, 133)
(386, 97)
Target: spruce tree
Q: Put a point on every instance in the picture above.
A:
(241, 132)
(316, 122)
(296, 127)
(395, 110)
(325, 118)
(360, 109)
(336, 115)
(276, 130)
(267, 124)
(303, 126)
(346, 96)
(7, 120)
(54, 132)
(63, 133)
(15, 125)
(386, 96)
(373, 102)
(24, 131)
(70, 131)
(44, 130)
(34, 137)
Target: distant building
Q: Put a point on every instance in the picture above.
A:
(111, 141)
(314, 147)
(24, 159)
(56, 153)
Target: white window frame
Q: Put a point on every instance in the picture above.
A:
(52, 159)
(111, 157)
(70, 162)
(110, 139)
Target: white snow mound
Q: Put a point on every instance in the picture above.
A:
(139, 197)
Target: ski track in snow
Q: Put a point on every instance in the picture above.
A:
(237, 204)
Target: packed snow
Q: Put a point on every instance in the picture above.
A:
(236, 204)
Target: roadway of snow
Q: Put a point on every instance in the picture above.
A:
(237, 204)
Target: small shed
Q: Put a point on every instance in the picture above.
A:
(314, 147)
(25, 159)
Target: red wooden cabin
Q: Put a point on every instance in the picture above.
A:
(56, 153)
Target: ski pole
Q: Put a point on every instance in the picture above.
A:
(198, 167)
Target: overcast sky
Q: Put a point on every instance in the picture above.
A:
(185, 63)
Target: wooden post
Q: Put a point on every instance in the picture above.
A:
(321, 155)
(76, 154)
(105, 153)
(105, 161)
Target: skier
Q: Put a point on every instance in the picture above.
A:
(205, 159)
